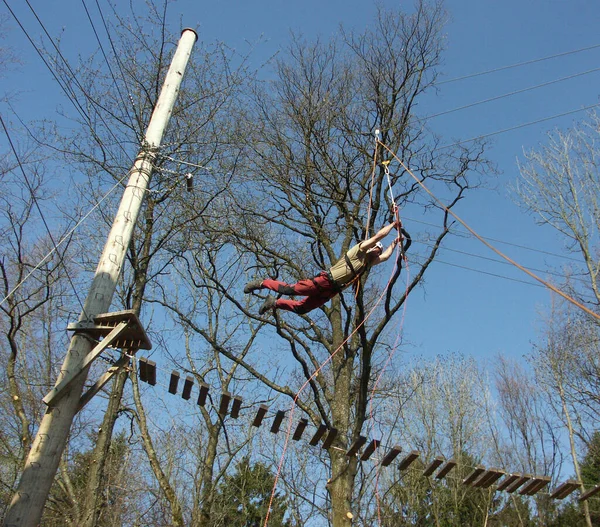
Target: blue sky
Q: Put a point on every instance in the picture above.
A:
(461, 309)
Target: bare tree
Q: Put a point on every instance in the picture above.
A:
(36, 300)
(307, 198)
(114, 103)
(559, 184)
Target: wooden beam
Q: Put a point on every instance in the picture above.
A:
(54, 395)
(143, 369)
(329, 439)
(260, 415)
(477, 471)
(533, 487)
(356, 446)
(450, 464)
(99, 384)
(589, 493)
(224, 403)
(489, 477)
(390, 456)
(236, 406)
(518, 482)
(370, 449)
(564, 489)
(299, 429)
(508, 480)
(151, 365)
(408, 460)
(186, 393)
(318, 435)
(203, 394)
(173, 382)
(430, 469)
(277, 421)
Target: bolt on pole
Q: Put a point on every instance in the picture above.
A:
(42, 462)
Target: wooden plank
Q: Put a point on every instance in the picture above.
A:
(151, 373)
(186, 393)
(370, 449)
(538, 483)
(390, 456)
(260, 415)
(443, 472)
(509, 480)
(435, 463)
(589, 493)
(236, 406)
(173, 382)
(564, 489)
(318, 435)
(299, 429)
(488, 477)
(203, 394)
(224, 403)
(477, 471)
(356, 446)
(329, 439)
(143, 369)
(518, 482)
(408, 460)
(277, 421)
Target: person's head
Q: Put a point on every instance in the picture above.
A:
(375, 251)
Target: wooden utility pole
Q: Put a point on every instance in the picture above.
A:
(65, 399)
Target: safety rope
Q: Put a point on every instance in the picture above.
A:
(489, 245)
(302, 388)
(399, 258)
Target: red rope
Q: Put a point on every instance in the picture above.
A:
(292, 409)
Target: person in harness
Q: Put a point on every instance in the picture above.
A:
(318, 290)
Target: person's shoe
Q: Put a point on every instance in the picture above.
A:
(267, 304)
(253, 286)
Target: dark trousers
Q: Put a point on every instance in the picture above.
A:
(316, 291)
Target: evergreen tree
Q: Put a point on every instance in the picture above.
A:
(243, 498)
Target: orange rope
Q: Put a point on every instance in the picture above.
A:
(498, 252)
(293, 407)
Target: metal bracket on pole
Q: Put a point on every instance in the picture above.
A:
(118, 330)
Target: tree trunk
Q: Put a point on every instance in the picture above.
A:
(163, 481)
(586, 507)
(207, 485)
(93, 494)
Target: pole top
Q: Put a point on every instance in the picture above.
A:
(190, 29)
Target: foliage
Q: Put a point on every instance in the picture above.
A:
(243, 498)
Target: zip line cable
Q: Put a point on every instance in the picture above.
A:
(37, 205)
(495, 260)
(510, 94)
(71, 95)
(67, 235)
(523, 125)
(467, 234)
(116, 84)
(487, 244)
(501, 68)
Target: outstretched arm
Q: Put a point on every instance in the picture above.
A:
(388, 252)
(365, 245)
